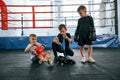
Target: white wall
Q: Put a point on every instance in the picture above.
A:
(54, 31)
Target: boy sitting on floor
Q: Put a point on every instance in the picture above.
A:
(36, 51)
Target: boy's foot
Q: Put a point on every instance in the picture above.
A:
(40, 61)
(66, 57)
(50, 61)
(83, 60)
(90, 59)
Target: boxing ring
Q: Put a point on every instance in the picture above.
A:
(17, 21)
(43, 20)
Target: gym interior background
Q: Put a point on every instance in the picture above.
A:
(19, 18)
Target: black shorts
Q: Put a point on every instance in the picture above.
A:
(84, 40)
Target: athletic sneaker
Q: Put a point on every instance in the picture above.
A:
(50, 61)
(90, 59)
(40, 61)
(66, 57)
(83, 60)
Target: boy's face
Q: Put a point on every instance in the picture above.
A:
(63, 31)
(33, 40)
(82, 13)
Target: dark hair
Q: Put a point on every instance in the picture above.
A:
(61, 26)
(32, 35)
(81, 8)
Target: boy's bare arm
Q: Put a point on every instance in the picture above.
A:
(28, 48)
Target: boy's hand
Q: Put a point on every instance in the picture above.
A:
(69, 40)
(28, 48)
(56, 40)
(34, 52)
(66, 37)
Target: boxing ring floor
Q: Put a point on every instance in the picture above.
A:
(16, 65)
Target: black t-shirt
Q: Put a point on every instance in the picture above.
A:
(83, 30)
(60, 37)
(84, 24)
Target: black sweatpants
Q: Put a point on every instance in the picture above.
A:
(57, 48)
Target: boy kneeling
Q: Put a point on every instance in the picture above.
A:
(61, 43)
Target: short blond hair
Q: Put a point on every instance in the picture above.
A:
(82, 7)
(32, 35)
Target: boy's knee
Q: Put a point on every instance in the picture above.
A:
(69, 52)
(72, 53)
(81, 47)
(48, 52)
(89, 46)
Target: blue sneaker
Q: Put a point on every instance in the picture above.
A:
(66, 57)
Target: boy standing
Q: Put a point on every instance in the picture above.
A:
(61, 43)
(85, 23)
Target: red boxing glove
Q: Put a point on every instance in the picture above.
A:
(39, 49)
